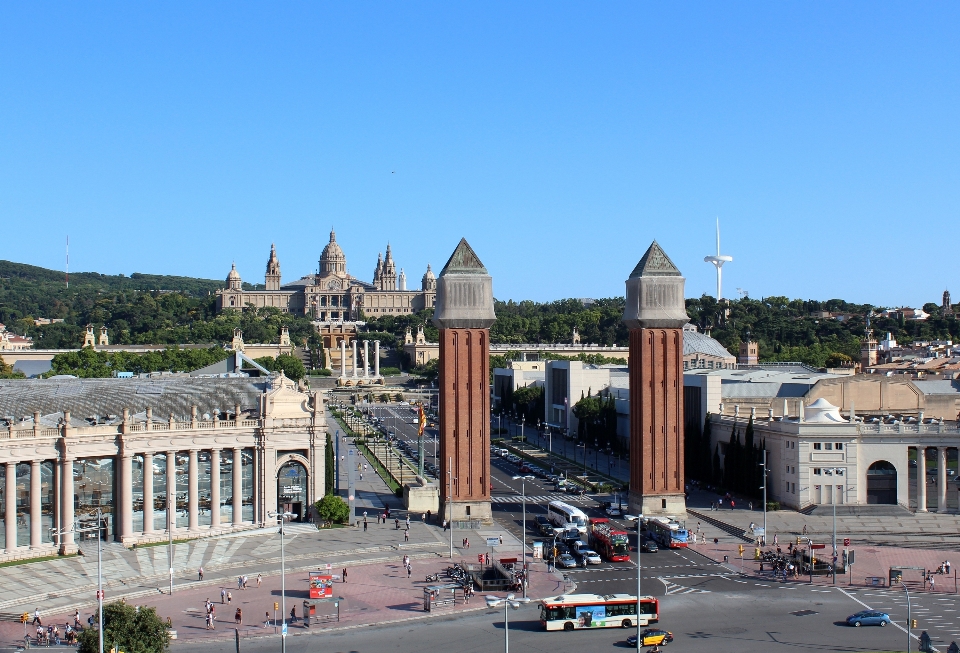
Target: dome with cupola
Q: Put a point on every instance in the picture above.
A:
(332, 259)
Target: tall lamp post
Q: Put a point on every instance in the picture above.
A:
(909, 622)
(523, 543)
(89, 528)
(510, 601)
(280, 517)
(639, 577)
(835, 471)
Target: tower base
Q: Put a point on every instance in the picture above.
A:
(471, 511)
(658, 505)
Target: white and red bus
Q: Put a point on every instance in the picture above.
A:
(584, 611)
(667, 532)
(612, 544)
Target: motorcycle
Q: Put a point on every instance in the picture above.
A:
(433, 578)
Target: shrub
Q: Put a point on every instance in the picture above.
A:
(128, 629)
(332, 508)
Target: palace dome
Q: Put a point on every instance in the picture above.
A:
(332, 259)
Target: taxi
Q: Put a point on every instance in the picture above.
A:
(651, 637)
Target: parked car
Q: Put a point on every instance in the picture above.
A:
(868, 618)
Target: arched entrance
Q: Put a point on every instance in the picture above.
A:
(292, 490)
(882, 483)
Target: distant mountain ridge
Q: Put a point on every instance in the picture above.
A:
(13, 272)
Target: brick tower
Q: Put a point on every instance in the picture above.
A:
(464, 314)
(655, 314)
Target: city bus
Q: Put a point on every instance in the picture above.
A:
(583, 611)
(564, 515)
(667, 532)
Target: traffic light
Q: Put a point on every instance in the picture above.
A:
(276, 605)
(741, 550)
(24, 618)
(813, 560)
(798, 540)
(913, 623)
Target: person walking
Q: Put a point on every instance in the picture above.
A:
(266, 619)
(343, 575)
(293, 614)
(259, 579)
(946, 566)
(409, 570)
(229, 598)
(76, 620)
(396, 523)
(200, 572)
(238, 617)
(406, 535)
(931, 581)
(364, 523)
(223, 595)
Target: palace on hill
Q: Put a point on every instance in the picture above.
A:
(333, 295)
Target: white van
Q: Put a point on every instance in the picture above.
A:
(566, 516)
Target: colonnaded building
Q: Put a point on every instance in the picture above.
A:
(333, 295)
(220, 453)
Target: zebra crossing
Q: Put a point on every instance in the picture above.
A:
(544, 499)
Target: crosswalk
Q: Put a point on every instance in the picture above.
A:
(544, 499)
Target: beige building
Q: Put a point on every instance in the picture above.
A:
(333, 295)
(219, 452)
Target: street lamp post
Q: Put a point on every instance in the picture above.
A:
(510, 601)
(523, 543)
(280, 516)
(97, 527)
(909, 622)
(639, 577)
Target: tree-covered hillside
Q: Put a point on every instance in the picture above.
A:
(152, 309)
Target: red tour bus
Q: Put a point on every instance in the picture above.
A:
(583, 611)
(612, 544)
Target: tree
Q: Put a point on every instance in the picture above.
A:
(129, 629)
(291, 366)
(6, 371)
(332, 508)
(330, 468)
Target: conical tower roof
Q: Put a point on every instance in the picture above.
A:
(655, 263)
(463, 261)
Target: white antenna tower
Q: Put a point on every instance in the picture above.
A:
(718, 261)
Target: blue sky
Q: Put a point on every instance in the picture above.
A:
(559, 138)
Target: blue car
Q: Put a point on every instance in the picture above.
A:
(868, 618)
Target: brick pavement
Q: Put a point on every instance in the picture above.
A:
(375, 592)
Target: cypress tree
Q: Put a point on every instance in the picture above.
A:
(330, 469)
(717, 471)
(706, 459)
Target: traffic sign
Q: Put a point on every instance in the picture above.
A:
(846, 541)
(283, 629)
(493, 541)
(329, 566)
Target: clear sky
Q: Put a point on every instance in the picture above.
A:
(558, 138)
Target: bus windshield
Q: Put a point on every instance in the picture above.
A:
(579, 521)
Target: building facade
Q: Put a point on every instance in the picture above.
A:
(179, 454)
(332, 295)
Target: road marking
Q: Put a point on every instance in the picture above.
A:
(673, 588)
(902, 629)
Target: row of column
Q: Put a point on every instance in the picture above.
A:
(941, 479)
(10, 508)
(366, 359)
(125, 487)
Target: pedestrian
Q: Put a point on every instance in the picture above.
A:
(468, 542)
(396, 523)
(501, 540)
(238, 616)
(364, 523)
(406, 535)
(239, 582)
(245, 581)
(750, 505)
(486, 558)
(408, 521)
(76, 619)
(804, 529)
(444, 525)
(293, 614)
(423, 518)
(720, 502)
(229, 598)
(930, 578)
(209, 622)
(776, 539)
(266, 619)
(259, 579)
(946, 566)
(463, 543)
(223, 595)
(429, 517)
(343, 575)
(732, 504)
(409, 570)
(200, 573)
(36, 618)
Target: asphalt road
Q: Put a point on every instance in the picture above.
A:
(770, 620)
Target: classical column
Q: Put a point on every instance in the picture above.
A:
(147, 493)
(921, 479)
(66, 505)
(353, 345)
(10, 509)
(376, 359)
(193, 484)
(214, 488)
(941, 479)
(172, 491)
(35, 506)
(343, 359)
(125, 500)
(366, 359)
(654, 313)
(237, 486)
(464, 314)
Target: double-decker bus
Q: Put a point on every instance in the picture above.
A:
(583, 611)
(667, 532)
(612, 544)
